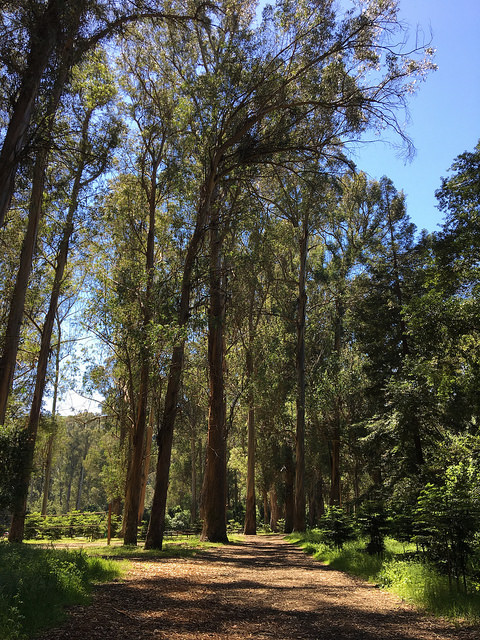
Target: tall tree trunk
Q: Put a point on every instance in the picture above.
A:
(146, 465)
(266, 509)
(299, 517)
(335, 490)
(51, 439)
(289, 489)
(414, 426)
(316, 506)
(214, 524)
(193, 476)
(273, 508)
(19, 507)
(134, 478)
(250, 507)
(156, 525)
(81, 478)
(17, 307)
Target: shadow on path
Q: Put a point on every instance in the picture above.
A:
(262, 588)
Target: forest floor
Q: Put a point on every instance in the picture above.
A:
(262, 587)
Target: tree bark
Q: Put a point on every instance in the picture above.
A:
(419, 459)
(289, 483)
(134, 478)
(19, 507)
(273, 508)
(266, 516)
(51, 439)
(214, 524)
(250, 507)
(17, 307)
(193, 477)
(146, 466)
(156, 525)
(299, 516)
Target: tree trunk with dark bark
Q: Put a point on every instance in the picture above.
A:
(19, 507)
(289, 489)
(299, 516)
(250, 507)
(214, 525)
(135, 469)
(156, 527)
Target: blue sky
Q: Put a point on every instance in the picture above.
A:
(444, 114)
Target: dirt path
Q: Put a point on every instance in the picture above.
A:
(262, 588)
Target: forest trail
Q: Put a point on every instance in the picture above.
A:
(262, 588)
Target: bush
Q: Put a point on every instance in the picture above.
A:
(179, 519)
(447, 521)
(336, 527)
(373, 523)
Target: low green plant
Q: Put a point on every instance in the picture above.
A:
(336, 527)
(36, 584)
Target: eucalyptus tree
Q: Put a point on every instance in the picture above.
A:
(304, 70)
(44, 40)
(94, 136)
(151, 103)
(250, 281)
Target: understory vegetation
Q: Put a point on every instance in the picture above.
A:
(37, 584)
(401, 567)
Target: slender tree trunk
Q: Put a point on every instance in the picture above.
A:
(250, 507)
(193, 476)
(15, 317)
(266, 510)
(414, 425)
(134, 478)
(51, 439)
(273, 509)
(81, 478)
(299, 517)
(19, 507)
(156, 525)
(289, 489)
(69, 492)
(335, 492)
(316, 506)
(146, 465)
(214, 524)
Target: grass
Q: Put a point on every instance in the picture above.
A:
(36, 584)
(399, 571)
(40, 578)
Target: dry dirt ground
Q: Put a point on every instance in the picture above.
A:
(262, 588)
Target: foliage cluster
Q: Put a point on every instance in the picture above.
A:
(36, 585)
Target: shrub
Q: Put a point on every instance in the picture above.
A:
(336, 527)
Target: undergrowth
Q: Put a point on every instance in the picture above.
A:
(36, 584)
(399, 571)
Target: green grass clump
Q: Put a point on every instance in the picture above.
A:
(399, 571)
(36, 584)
